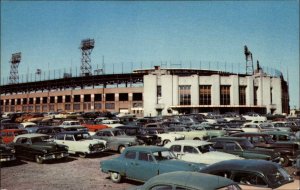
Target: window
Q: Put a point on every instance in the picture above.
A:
(60, 137)
(205, 95)
(175, 148)
(38, 100)
(67, 106)
(18, 102)
(69, 138)
(110, 97)
(255, 94)
(249, 179)
(137, 96)
(45, 100)
(98, 97)
(97, 106)
(145, 157)
(87, 98)
(76, 106)
(109, 106)
(12, 102)
(130, 155)
(52, 99)
(123, 97)
(185, 95)
(76, 98)
(1, 102)
(24, 100)
(242, 95)
(190, 149)
(67, 98)
(30, 100)
(158, 93)
(225, 95)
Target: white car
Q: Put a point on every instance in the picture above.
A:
(198, 152)
(165, 137)
(258, 127)
(80, 143)
(254, 118)
(70, 123)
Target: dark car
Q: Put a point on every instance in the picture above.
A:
(141, 134)
(253, 174)
(244, 148)
(50, 130)
(6, 153)
(288, 150)
(36, 147)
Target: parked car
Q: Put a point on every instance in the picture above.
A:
(288, 150)
(94, 126)
(143, 162)
(36, 147)
(116, 139)
(192, 181)
(141, 134)
(244, 148)
(7, 153)
(254, 117)
(69, 123)
(50, 130)
(8, 135)
(80, 142)
(257, 127)
(211, 130)
(188, 134)
(198, 152)
(165, 137)
(254, 174)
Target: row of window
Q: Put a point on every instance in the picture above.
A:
(76, 98)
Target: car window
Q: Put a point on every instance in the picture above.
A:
(175, 148)
(130, 155)
(249, 179)
(21, 140)
(231, 146)
(69, 137)
(60, 137)
(145, 157)
(107, 133)
(190, 149)
(162, 187)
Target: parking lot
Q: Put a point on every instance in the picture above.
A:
(74, 173)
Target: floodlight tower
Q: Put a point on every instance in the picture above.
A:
(249, 61)
(15, 61)
(86, 47)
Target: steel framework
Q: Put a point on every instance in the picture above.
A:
(86, 47)
(15, 61)
(249, 61)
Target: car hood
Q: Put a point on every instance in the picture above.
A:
(220, 156)
(269, 152)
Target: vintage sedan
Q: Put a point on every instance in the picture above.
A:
(254, 174)
(8, 135)
(192, 181)
(143, 162)
(116, 139)
(188, 134)
(244, 148)
(198, 152)
(80, 142)
(7, 153)
(36, 147)
(163, 135)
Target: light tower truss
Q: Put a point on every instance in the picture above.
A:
(86, 47)
(249, 61)
(14, 64)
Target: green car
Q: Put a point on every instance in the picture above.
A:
(188, 180)
(141, 163)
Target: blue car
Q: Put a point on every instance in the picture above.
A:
(140, 163)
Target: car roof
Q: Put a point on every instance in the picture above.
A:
(31, 135)
(72, 132)
(191, 142)
(261, 166)
(193, 180)
(147, 148)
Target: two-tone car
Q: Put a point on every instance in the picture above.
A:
(80, 143)
(36, 147)
(140, 163)
(116, 139)
(198, 152)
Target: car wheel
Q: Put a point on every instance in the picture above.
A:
(284, 161)
(121, 149)
(166, 142)
(196, 138)
(82, 155)
(38, 159)
(115, 177)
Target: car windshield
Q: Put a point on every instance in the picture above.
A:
(118, 133)
(164, 155)
(278, 177)
(82, 136)
(38, 139)
(206, 148)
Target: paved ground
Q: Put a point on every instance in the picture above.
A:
(75, 173)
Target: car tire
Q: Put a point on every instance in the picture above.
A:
(82, 155)
(38, 159)
(197, 138)
(166, 141)
(285, 161)
(115, 177)
(121, 149)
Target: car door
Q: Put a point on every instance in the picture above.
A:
(22, 146)
(177, 149)
(146, 163)
(191, 154)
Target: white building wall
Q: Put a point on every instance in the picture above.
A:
(215, 90)
(166, 92)
(150, 92)
(277, 94)
(234, 90)
(175, 90)
(249, 91)
(195, 90)
(266, 98)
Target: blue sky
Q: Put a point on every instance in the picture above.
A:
(135, 34)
